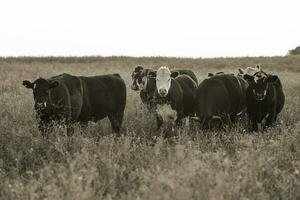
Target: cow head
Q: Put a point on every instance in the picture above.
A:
(41, 88)
(210, 74)
(249, 70)
(163, 80)
(259, 83)
(137, 78)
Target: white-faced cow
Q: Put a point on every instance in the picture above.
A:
(219, 99)
(144, 81)
(265, 99)
(79, 99)
(174, 96)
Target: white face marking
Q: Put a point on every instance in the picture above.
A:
(166, 113)
(251, 71)
(259, 76)
(144, 82)
(163, 80)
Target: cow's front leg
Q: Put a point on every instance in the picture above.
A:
(43, 128)
(252, 122)
(254, 125)
(159, 121)
(271, 118)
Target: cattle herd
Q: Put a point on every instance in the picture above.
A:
(171, 95)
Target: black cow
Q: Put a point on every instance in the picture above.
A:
(265, 99)
(79, 99)
(174, 96)
(220, 99)
(138, 82)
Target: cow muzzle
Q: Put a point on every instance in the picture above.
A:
(162, 92)
(134, 87)
(40, 105)
(260, 96)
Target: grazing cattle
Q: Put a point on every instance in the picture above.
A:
(138, 82)
(144, 80)
(79, 99)
(174, 96)
(265, 99)
(220, 98)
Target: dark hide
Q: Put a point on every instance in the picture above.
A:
(220, 97)
(265, 99)
(79, 99)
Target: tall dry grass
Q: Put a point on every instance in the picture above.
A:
(94, 164)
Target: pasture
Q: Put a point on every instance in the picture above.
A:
(94, 164)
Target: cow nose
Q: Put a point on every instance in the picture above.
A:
(41, 105)
(162, 92)
(134, 87)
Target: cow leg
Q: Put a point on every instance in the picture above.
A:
(159, 121)
(70, 130)
(205, 125)
(233, 117)
(178, 122)
(116, 122)
(83, 125)
(270, 119)
(226, 123)
(254, 126)
(43, 126)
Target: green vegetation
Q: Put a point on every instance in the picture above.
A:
(94, 164)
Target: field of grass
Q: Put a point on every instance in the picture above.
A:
(94, 164)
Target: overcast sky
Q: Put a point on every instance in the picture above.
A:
(209, 28)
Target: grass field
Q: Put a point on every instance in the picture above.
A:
(94, 164)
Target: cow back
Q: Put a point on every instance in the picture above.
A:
(221, 94)
(189, 73)
(103, 95)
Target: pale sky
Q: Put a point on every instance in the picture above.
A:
(208, 28)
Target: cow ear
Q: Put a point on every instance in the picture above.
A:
(152, 74)
(53, 85)
(210, 74)
(258, 67)
(241, 71)
(28, 84)
(248, 77)
(272, 78)
(139, 68)
(174, 74)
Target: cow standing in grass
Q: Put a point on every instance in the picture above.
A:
(139, 83)
(174, 96)
(219, 99)
(144, 81)
(265, 98)
(79, 99)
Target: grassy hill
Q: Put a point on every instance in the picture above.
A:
(94, 164)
